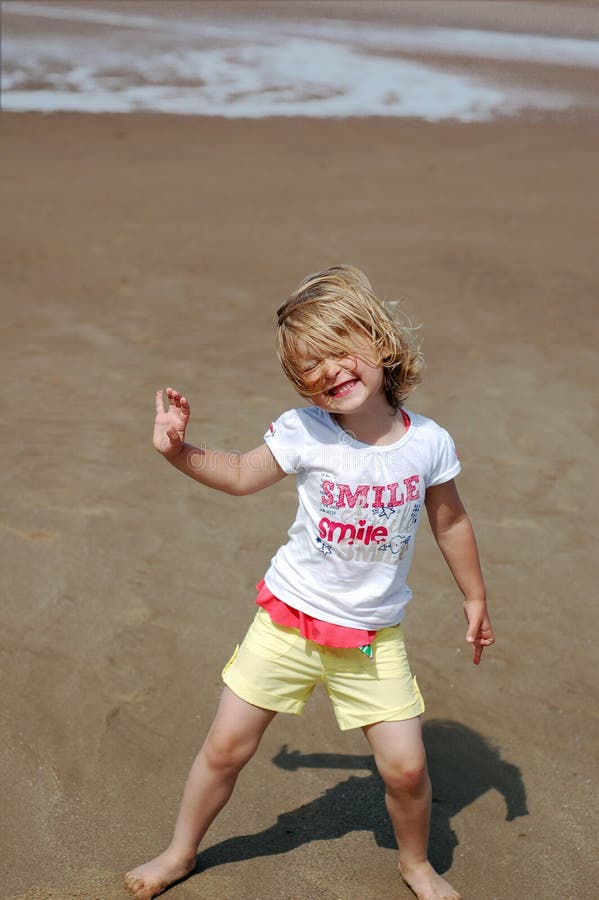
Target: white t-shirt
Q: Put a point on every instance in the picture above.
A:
(350, 547)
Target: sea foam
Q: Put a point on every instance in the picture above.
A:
(131, 62)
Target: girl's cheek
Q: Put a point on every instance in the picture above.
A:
(315, 386)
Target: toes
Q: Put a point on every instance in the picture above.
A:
(134, 884)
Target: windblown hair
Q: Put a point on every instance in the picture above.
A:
(323, 317)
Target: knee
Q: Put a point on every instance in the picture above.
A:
(406, 776)
(227, 753)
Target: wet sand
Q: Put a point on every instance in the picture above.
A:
(142, 251)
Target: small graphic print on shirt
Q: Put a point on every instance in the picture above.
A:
(324, 548)
(397, 545)
(384, 512)
(415, 514)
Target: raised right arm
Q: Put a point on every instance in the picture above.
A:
(233, 473)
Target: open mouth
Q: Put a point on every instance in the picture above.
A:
(340, 390)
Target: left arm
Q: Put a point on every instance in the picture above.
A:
(453, 533)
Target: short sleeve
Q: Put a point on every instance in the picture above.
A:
(446, 464)
(285, 438)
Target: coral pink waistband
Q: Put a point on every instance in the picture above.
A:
(325, 633)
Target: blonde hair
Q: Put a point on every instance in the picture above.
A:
(323, 317)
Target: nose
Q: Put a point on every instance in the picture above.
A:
(331, 368)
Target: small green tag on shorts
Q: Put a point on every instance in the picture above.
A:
(366, 649)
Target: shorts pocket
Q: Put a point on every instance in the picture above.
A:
(390, 655)
(231, 661)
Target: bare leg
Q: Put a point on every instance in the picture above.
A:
(400, 758)
(231, 742)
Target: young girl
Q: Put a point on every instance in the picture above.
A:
(332, 600)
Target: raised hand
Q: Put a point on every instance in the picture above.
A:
(170, 424)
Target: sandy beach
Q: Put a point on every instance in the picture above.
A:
(142, 251)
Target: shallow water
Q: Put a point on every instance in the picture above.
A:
(98, 60)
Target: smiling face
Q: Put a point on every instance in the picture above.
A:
(342, 383)
(338, 344)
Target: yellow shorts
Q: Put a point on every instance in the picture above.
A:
(276, 668)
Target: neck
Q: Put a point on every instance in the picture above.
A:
(378, 424)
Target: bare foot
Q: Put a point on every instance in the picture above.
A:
(426, 883)
(154, 877)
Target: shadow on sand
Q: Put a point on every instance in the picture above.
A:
(462, 766)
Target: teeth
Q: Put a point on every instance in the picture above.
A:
(342, 388)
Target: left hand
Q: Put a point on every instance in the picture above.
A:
(479, 633)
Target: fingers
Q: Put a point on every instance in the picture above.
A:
(474, 629)
(175, 399)
(479, 642)
(473, 636)
(477, 652)
(479, 633)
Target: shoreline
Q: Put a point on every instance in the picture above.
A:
(403, 78)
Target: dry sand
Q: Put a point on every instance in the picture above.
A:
(146, 251)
